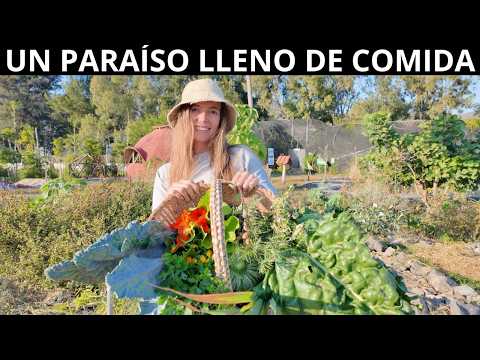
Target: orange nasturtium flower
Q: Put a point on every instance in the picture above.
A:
(186, 223)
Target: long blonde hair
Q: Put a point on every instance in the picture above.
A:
(182, 163)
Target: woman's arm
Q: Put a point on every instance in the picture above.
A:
(160, 186)
(246, 160)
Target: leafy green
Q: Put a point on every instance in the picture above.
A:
(337, 274)
(232, 224)
(243, 133)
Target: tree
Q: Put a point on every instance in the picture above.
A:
(29, 94)
(141, 127)
(233, 87)
(344, 94)
(9, 136)
(170, 90)
(431, 96)
(266, 93)
(74, 102)
(113, 100)
(146, 96)
(69, 107)
(309, 97)
(385, 94)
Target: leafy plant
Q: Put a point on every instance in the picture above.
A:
(310, 163)
(242, 132)
(54, 187)
(439, 155)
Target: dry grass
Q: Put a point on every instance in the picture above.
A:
(452, 257)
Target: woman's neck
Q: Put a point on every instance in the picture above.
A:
(199, 148)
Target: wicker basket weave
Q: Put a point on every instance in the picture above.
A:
(222, 191)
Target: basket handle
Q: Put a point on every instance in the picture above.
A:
(171, 207)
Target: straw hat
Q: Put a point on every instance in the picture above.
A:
(203, 90)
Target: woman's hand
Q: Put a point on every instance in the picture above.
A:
(245, 182)
(185, 190)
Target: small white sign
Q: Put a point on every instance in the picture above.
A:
(271, 157)
(321, 162)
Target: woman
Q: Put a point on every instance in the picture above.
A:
(200, 152)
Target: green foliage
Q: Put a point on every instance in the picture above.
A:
(33, 238)
(26, 138)
(271, 232)
(379, 129)
(72, 104)
(58, 147)
(336, 275)
(54, 187)
(186, 276)
(137, 129)
(434, 95)
(242, 133)
(321, 97)
(32, 165)
(244, 271)
(376, 219)
(92, 300)
(310, 163)
(113, 99)
(472, 124)
(4, 172)
(92, 147)
(387, 95)
(439, 154)
(8, 156)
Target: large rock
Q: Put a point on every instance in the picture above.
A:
(464, 290)
(402, 261)
(375, 245)
(389, 251)
(437, 304)
(460, 308)
(417, 268)
(440, 282)
(472, 309)
(457, 308)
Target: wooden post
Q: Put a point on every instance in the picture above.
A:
(109, 301)
(36, 140)
(249, 92)
(284, 172)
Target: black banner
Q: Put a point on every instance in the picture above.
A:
(305, 60)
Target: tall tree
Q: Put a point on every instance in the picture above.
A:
(146, 96)
(69, 107)
(113, 100)
(434, 94)
(267, 94)
(30, 95)
(384, 93)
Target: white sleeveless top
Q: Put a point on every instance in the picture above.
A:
(242, 158)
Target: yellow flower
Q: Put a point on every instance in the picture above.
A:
(209, 253)
(203, 259)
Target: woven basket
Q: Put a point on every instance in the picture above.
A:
(222, 191)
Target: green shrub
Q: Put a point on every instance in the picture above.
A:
(440, 155)
(4, 172)
(8, 156)
(242, 132)
(33, 238)
(32, 165)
